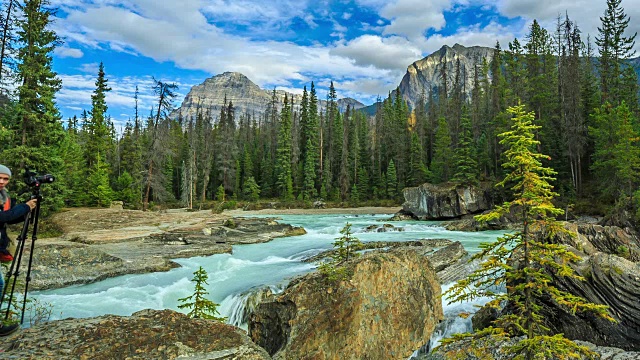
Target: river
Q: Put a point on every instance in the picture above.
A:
(232, 276)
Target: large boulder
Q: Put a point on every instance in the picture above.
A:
(446, 201)
(387, 308)
(147, 334)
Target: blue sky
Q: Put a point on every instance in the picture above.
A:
(364, 46)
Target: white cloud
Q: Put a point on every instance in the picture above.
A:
(392, 53)
(411, 18)
(90, 68)
(65, 52)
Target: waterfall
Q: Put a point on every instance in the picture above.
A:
(453, 323)
(238, 307)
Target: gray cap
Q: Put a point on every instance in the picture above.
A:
(5, 170)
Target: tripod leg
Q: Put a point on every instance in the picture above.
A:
(15, 265)
(34, 237)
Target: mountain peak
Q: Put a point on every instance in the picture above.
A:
(425, 74)
(247, 97)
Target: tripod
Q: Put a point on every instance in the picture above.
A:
(14, 271)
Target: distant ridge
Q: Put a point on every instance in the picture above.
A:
(246, 96)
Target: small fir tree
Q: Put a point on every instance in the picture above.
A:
(392, 181)
(251, 190)
(220, 195)
(345, 248)
(126, 190)
(201, 307)
(523, 260)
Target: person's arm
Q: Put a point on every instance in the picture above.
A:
(15, 214)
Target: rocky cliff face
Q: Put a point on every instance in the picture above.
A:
(611, 268)
(147, 334)
(386, 310)
(425, 74)
(246, 97)
(446, 201)
(609, 279)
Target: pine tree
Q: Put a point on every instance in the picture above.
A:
(126, 190)
(466, 166)
(418, 172)
(251, 189)
(308, 186)
(364, 190)
(392, 181)
(442, 153)
(73, 166)
(97, 138)
(345, 248)
(7, 48)
(614, 48)
(283, 160)
(522, 260)
(616, 160)
(36, 130)
(158, 130)
(98, 189)
(201, 307)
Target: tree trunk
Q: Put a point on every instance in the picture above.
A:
(5, 36)
(145, 202)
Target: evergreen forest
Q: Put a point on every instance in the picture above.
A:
(583, 92)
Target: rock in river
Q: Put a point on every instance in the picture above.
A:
(386, 309)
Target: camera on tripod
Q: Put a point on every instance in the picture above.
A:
(31, 178)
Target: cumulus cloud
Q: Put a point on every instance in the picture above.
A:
(392, 53)
(65, 52)
(411, 18)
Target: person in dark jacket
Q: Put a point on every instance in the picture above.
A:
(9, 214)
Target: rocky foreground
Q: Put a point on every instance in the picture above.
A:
(147, 334)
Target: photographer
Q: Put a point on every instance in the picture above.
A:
(9, 214)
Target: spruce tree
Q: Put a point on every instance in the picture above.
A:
(616, 160)
(309, 169)
(392, 181)
(156, 151)
(97, 138)
(200, 307)
(525, 260)
(283, 160)
(418, 172)
(7, 47)
(442, 153)
(465, 163)
(251, 189)
(614, 47)
(36, 132)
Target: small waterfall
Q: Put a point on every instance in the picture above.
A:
(238, 307)
(453, 323)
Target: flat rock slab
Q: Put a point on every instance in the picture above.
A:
(147, 334)
(115, 247)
